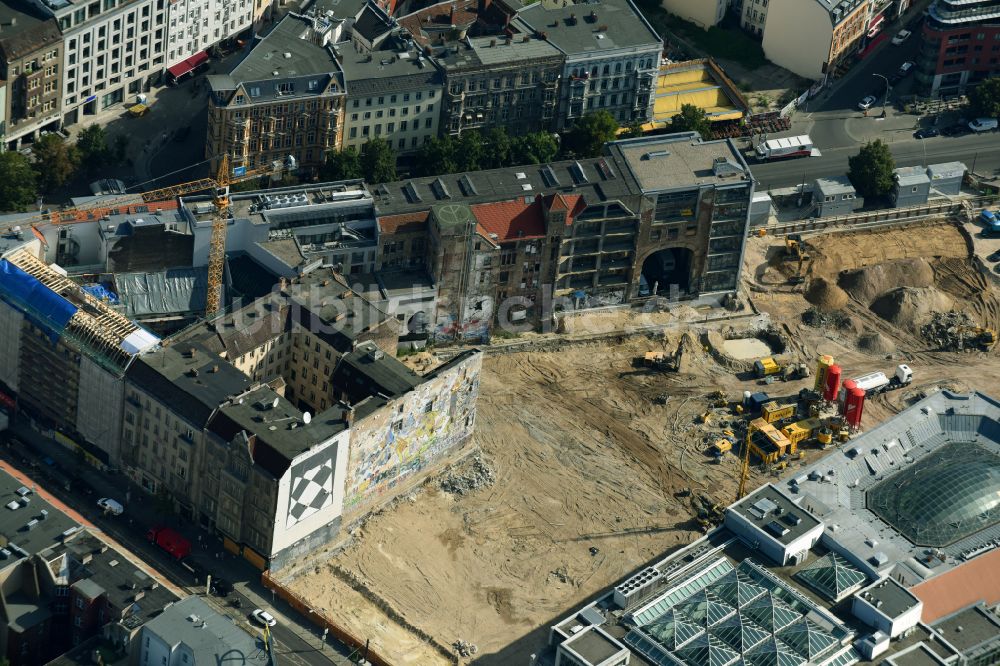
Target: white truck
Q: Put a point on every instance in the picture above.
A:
(786, 147)
(877, 382)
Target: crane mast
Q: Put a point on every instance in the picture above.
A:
(217, 245)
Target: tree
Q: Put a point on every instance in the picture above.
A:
(341, 165)
(17, 182)
(984, 99)
(436, 157)
(56, 162)
(536, 148)
(378, 161)
(589, 134)
(498, 146)
(469, 151)
(871, 169)
(633, 130)
(691, 118)
(92, 142)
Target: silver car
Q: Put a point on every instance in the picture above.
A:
(866, 103)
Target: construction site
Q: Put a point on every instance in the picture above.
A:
(597, 450)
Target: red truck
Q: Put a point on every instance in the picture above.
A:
(170, 541)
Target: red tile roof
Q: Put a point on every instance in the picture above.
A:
(511, 220)
(573, 204)
(971, 582)
(404, 222)
(90, 214)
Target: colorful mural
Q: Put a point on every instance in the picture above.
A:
(400, 440)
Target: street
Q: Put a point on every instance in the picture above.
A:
(296, 641)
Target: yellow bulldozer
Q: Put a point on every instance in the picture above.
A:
(980, 336)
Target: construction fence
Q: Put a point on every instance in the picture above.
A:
(359, 646)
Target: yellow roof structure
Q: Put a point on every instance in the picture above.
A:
(701, 83)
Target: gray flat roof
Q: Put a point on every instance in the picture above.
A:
(44, 533)
(830, 185)
(911, 175)
(624, 26)
(776, 515)
(284, 51)
(173, 291)
(593, 645)
(285, 250)
(918, 655)
(969, 628)
(890, 597)
(31, 31)
(946, 170)
(218, 641)
(386, 71)
(493, 51)
(674, 161)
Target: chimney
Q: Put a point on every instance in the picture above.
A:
(526, 38)
(493, 42)
(349, 416)
(215, 369)
(507, 40)
(593, 15)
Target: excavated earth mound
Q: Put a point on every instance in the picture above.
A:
(825, 295)
(868, 283)
(874, 342)
(908, 307)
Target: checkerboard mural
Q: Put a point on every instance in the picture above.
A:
(312, 485)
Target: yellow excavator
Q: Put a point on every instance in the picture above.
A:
(795, 249)
(982, 337)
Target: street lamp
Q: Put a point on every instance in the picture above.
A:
(885, 100)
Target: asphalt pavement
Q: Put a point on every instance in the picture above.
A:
(296, 642)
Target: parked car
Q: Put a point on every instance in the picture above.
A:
(926, 133)
(994, 257)
(221, 587)
(906, 67)
(983, 125)
(264, 618)
(901, 37)
(111, 506)
(956, 130)
(866, 103)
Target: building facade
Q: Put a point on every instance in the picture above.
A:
(960, 46)
(193, 26)
(753, 16)
(703, 13)
(31, 66)
(814, 37)
(111, 49)
(285, 98)
(612, 56)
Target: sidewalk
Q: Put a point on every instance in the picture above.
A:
(141, 513)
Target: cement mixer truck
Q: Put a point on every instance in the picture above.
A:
(877, 382)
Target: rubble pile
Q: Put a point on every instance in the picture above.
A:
(472, 475)
(945, 330)
(464, 648)
(819, 318)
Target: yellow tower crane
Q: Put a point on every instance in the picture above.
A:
(220, 186)
(745, 467)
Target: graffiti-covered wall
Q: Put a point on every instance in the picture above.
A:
(392, 448)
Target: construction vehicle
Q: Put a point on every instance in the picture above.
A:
(770, 366)
(718, 399)
(801, 430)
(765, 367)
(984, 338)
(772, 412)
(660, 360)
(220, 188)
(795, 249)
(707, 513)
(877, 382)
(745, 465)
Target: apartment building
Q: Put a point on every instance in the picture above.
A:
(960, 46)
(193, 26)
(653, 216)
(111, 49)
(813, 37)
(216, 418)
(193, 632)
(703, 13)
(285, 98)
(393, 93)
(495, 73)
(31, 66)
(753, 16)
(611, 56)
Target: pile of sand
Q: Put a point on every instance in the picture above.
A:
(874, 342)
(908, 307)
(868, 283)
(825, 295)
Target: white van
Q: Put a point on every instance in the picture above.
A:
(983, 125)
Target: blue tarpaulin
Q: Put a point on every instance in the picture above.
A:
(101, 293)
(42, 306)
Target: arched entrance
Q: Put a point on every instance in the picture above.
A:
(671, 266)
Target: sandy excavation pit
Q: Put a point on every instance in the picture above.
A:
(586, 455)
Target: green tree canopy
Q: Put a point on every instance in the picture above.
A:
(378, 161)
(17, 182)
(984, 100)
(536, 148)
(498, 147)
(56, 162)
(92, 144)
(691, 118)
(470, 153)
(436, 156)
(341, 164)
(633, 130)
(871, 169)
(589, 134)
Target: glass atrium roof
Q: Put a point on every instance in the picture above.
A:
(943, 497)
(832, 576)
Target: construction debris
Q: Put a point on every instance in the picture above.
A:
(956, 331)
(818, 318)
(471, 475)
(464, 648)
